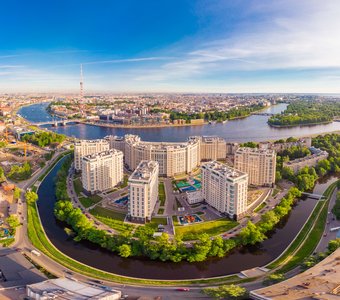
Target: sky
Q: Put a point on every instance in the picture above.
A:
(238, 46)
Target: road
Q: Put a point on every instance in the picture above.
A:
(23, 243)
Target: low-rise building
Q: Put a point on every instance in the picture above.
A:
(87, 147)
(102, 171)
(194, 197)
(259, 164)
(225, 189)
(309, 161)
(143, 191)
(67, 289)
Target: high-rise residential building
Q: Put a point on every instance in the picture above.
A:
(211, 147)
(225, 188)
(102, 171)
(87, 147)
(143, 190)
(259, 164)
(173, 158)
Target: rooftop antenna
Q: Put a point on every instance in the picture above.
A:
(81, 83)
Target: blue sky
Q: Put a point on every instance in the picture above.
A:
(170, 46)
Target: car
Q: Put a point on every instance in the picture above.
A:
(183, 289)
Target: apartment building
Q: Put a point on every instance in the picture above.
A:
(211, 147)
(309, 161)
(102, 171)
(143, 191)
(173, 158)
(87, 147)
(225, 189)
(259, 164)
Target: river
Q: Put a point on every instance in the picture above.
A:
(236, 261)
(252, 128)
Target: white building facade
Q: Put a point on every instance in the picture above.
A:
(143, 191)
(225, 189)
(259, 164)
(87, 147)
(102, 171)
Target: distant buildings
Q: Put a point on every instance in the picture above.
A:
(259, 164)
(143, 191)
(310, 160)
(87, 147)
(102, 171)
(225, 189)
(67, 289)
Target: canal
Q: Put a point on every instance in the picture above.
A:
(236, 261)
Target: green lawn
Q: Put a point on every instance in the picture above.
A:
(211, 227)
(158, 221)
(116, 224)
(258, 208)
(161, 211)
(88, 201)
(78, 187)
(161, 193)
(103, 212)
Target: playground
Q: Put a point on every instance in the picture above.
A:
(189, 219)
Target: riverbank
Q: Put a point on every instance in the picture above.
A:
(40, 240)
(299, 125)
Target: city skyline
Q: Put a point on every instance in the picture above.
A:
(172, 46)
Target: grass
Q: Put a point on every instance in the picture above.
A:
(175, 220)
(258, 208)
(78, 187)
(125, 181)
(212, 228)
(161, 211)
(116, 224)
(86, 202)
(40, 241)
(308, 238)
(276, 191)
(161, 193)
(103, 212)
(157, 221)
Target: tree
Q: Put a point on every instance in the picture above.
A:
(333, 245)
(273, 278)
(124, 250)
(16, 193)
(13, 221)
(31, 197)
(251, 234)
(232, 292)
(2, 175)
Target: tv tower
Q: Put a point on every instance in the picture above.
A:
(81, 83)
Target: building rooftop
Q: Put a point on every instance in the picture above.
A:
(224, 170)
(316, 153)
(255, 150)
(144, 170)
(106, 153)
(90, 141)
(319, 282)
(67, 289)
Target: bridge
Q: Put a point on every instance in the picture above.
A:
(263, 114)
(313, 196)
(57, 123)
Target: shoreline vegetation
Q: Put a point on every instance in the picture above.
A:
(306, 113)
(207, 117)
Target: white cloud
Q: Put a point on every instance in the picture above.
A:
(303, 39)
